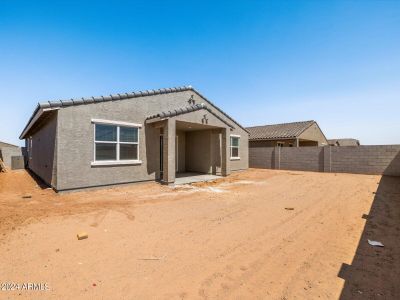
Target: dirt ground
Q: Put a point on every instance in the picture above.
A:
(229, 239)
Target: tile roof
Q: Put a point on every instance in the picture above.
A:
(4, 144)
(89, 100)
(344, 142)
(185, 110)
(278, 131)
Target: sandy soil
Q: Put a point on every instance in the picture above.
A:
(230, 239)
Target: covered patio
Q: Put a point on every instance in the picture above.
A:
(194, 143)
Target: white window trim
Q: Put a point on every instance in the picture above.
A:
(116, 123)
(118, 161)
(115, 163)
(230, 146)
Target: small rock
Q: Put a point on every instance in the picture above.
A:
(82, 235)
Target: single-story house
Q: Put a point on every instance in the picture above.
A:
(344, 142)
(132, 137)
(296, 134)
(7, 152)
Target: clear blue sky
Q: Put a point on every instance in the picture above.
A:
(263, 62)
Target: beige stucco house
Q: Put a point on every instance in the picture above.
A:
(295, 134)
(132, 137)
(344, 142)
(8, 152)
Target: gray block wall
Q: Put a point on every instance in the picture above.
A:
(301, 158)
(379, 159)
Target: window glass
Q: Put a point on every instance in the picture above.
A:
(106, 133)
(235, 152)
(128, 151)
(128, 134)
(235, 141)
(106, 151)
(234, 147)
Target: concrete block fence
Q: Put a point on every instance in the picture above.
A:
(374, 159)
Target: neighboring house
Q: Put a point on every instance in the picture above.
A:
(296, 134)
(7, 151)
(132, 137)
(344, 142)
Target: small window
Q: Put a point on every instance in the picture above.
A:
(116, 143)
(280, 144)
(235, 147)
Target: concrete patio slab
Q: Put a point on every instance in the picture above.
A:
(187, 178)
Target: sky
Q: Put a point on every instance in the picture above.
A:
(262, 62)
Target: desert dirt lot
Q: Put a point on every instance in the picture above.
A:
(229, 239)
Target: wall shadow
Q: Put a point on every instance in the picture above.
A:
(39, 181)
(152, 136)
(375, 271)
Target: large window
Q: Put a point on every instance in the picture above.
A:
(116, 143)
(235, 147)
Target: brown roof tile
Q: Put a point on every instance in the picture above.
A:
(278, 131)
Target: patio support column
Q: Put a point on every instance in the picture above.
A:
(226, 153)
(169, 151)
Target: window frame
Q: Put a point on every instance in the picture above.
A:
(231, 147)
(117, 161)
(280, 144)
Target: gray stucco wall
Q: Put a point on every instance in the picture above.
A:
(75, 149)
(198, 151)
(42, 158)
(181, 150)
(379, 159)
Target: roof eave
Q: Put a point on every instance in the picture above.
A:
(34, 118)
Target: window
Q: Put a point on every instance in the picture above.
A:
(280, 144)
(235, 147)
(116, 143)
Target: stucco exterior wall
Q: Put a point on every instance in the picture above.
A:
(181, 150)
(42, 158)
(76, 139)
(8, 151)
(314, 133)
(198, 151)
(272, 143)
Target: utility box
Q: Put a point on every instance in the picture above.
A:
(17, 162)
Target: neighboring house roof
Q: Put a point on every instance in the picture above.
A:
(54, 105)
(185, 110)
(278, 131)
(4, 144)
(344, 142)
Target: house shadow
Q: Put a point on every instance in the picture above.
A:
(375, 271)
(39, 181)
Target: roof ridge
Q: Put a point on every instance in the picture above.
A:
(90, 100)
(187, 109)
(111, 97)
(279, 124)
